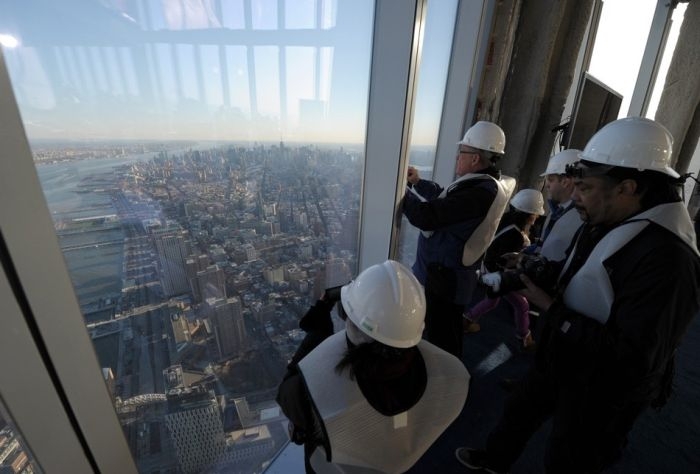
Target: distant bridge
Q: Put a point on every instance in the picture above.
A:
(62, 232)
(139, 401)
(103, 243)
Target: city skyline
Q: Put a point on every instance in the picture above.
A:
(202, 260)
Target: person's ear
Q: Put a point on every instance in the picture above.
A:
(628, 187)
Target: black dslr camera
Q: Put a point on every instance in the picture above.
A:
(535, 267)
(332, 294)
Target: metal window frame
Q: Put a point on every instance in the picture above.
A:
(467, 62)
(395, 65)
(30, 397)
(41, 273)
(397, 28)
(651, 60)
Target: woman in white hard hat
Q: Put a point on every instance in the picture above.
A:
(513, 236)
(373, 397)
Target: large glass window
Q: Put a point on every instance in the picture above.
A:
(202, 162)
(619, 45)
(430, 93)
(666, 57)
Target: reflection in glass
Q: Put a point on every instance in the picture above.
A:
(432, 80)
(203, 168)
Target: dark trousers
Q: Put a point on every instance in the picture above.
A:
(443, 317)
(588, 433)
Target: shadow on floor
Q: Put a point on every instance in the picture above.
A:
(664, 441)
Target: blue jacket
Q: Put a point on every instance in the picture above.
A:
(452, 219)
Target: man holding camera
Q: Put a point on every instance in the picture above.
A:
(373, 397)
(457, 224)
(624, 300)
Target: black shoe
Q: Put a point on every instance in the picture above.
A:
(475, 459)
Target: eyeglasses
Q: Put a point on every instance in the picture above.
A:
(466, 152)
(581, 170)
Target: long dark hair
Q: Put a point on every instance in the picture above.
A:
(374, 359)
(514, 216)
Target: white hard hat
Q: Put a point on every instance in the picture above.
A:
(632, 142)
(485, 136)
(387, 303)
(528, 200)
(557, 163)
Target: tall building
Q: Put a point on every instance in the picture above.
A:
(108, 377)
(319, 284)
(276, 228)
(263, 313)
(196, 263)
(172, 252)
(250, 252)
(274, 275)
(228, 325)
(180, 328)
(301, 219)
(173, 378)
(209, 283)
(194, 424)
(337, 272)
(306, 251)
(264, 227)
(270, 209)
(350, 234)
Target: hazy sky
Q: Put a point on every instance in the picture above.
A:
(181, 69)
(203, 69)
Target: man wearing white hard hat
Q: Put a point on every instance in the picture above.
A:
(373, 397)
(625, 298)
(563, 221)
(457, 224)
